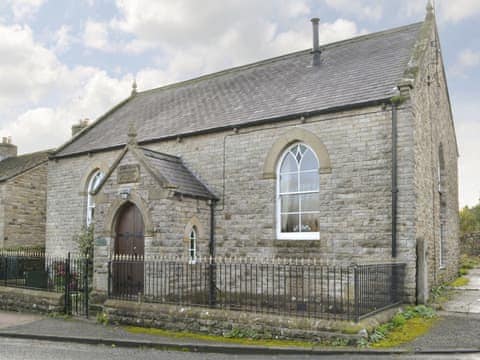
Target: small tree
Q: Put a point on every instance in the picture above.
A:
(470, 219)
(84, 240)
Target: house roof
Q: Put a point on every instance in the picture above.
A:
(353, 72)
(13, 166)
(173, 170)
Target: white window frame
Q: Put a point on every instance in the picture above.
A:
(95, 178)
(314, 235)
(442, 243)
(192, 250)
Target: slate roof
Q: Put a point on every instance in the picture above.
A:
(358, 71)
(172, 169)
(13, 166)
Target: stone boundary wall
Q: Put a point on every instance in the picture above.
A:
(15, 299)
(470, 244)
(218, 322)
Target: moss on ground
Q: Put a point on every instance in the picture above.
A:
(409, 331)
(461, 281)
(468, 262)
(214, 338)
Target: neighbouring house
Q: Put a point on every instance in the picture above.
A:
(344, 152)
(23, 197)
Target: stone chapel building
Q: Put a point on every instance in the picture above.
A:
(346, 152)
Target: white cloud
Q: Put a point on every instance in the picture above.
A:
(33, 78)
(458, 10)
(96, 35)
(90, 94)
(469, 162)
(63, 39)
(469, 58)
(200, 37)
(28, 69)
(364, 9)
(22, 9)
(466, 60)
(447, 10)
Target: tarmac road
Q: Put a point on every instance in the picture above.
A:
(19, 349)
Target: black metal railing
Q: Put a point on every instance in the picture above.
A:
(277, 286)
(38, 271)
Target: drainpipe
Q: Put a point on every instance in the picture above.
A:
(211, 243)
(211, 249)
(394, 180)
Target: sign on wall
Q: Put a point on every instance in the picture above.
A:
(128, 173)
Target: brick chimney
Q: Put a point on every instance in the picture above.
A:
(7, 149)
(82, 124)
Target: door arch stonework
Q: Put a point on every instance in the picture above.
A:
(113, 212)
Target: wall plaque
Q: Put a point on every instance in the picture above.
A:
(128, 173)
(101, 241)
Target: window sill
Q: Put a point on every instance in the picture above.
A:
(298, 236)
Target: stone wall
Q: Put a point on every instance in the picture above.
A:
(16, 299)
(355, 196)
(219, 322)
(470, 244)
(23, 209)
(435, 144)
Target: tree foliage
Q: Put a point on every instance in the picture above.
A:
(84, 240)
(470, 219)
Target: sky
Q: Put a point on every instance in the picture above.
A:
(66, 60)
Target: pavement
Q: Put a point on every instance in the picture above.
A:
(457, 331)
(459, 324)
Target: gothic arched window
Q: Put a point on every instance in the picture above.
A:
(192, 248)
(298, 189)
(93, 183)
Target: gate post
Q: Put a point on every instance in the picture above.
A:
(85, 285)
(357, 292)
(68, 309)
(212, 282)
(5, 274)
(109, 278)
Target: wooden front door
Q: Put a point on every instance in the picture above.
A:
(129, 273)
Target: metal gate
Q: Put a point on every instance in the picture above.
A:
(77, 283)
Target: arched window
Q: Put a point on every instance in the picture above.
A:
(192, 248)
(93, 183)
(298, 187)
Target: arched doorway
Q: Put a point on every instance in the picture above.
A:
(128, 274)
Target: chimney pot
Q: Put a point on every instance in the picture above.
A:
(316, 45)
(82, 124)
(7, 149)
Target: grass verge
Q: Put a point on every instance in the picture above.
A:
(241, 339)
(461, 281)
(403, 328)
(406, 333)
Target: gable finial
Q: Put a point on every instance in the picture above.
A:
(134, 87)
(430, 7)
(132, 133)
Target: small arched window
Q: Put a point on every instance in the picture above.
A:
(298, 187)
(93, 183)
(192, 248)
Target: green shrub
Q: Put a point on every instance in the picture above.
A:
(398, 320)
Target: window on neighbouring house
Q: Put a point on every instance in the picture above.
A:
(192, 250)
(93, 183)
(298, 187)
